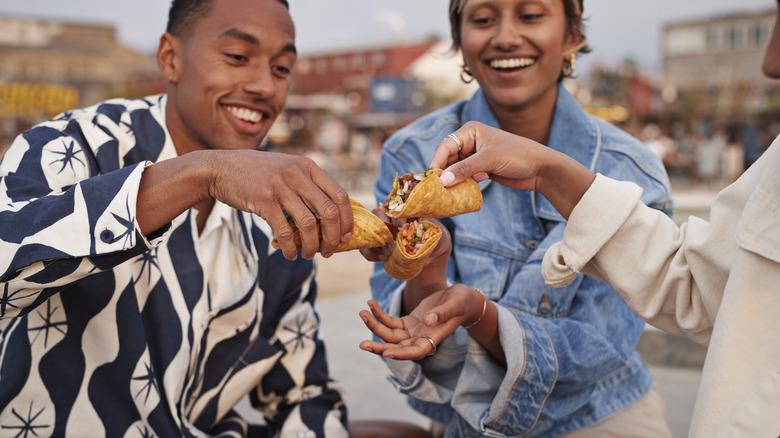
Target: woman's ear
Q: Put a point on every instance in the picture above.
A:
(168, 56)
(574, 40)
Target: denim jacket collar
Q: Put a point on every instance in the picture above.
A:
(572, 133)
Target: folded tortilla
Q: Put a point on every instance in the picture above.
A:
(429, 198)
(413, 246)
(368, 231)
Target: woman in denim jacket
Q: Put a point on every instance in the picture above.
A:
(534, 362)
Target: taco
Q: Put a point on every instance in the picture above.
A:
(423, 195)
(368, 231)
(413, 245)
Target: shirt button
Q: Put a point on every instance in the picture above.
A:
(106, 236)
(531, 244)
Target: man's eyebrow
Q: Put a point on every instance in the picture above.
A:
(251, 39)
(291, 48)
(239, 34)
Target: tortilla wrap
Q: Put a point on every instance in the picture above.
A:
(429, 198)
(368, 231)
(407, 258)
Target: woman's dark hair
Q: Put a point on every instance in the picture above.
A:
(184, 13)
(573, 9)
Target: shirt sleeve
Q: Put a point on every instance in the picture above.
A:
(677, 262)
(62, 216)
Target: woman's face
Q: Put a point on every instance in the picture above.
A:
(515, 48)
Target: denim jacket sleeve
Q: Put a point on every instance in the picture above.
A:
(558, 353)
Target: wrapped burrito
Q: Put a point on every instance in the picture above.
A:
(423, 195)
(413, 245)
(368, 231)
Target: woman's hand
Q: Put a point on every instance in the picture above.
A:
(512, 161)
(407, 337)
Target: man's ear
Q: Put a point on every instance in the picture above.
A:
(168, 56)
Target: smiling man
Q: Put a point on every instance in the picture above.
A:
(139, 295)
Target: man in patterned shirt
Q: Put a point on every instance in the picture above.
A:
(139, 295)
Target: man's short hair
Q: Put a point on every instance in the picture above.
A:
(184, 13)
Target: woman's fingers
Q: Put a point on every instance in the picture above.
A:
(383, 318)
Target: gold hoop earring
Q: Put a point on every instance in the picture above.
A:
(465, 75)
(568, 66)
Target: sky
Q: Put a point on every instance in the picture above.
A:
(617, 29)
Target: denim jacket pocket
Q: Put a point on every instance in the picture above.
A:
(482, 264)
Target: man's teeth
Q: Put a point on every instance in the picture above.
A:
(511, 63)
(245, 114)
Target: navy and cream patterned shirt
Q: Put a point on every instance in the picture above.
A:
(107, 332)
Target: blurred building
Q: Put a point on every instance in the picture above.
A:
(720, 56)
(344, 104)
(47, 67)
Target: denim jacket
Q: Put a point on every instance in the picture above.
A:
(570, 352)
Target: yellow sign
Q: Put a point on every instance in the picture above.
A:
(36, 99)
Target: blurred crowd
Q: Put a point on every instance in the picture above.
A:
(708, 154)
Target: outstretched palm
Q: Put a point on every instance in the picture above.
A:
(407, 337)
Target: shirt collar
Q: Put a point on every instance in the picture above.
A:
(572, 132)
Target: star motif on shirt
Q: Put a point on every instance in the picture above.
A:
(127, 223)
(27, 426)
(48, 325)
(7, 298)
(68, 156)
(301, 332)
(145, 432)
(147, 260)
(128, 128)
(150, 382)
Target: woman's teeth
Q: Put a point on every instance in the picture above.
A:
(245, 114)
(511, 63)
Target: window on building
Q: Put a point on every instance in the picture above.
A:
(715, 38)
(321, 66)
(685, 41)
(303, 66)
(358, 61)
(378, 59)
(764, 32)
(732, 37)
(339, 63)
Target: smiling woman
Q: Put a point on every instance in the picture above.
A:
(529, 361)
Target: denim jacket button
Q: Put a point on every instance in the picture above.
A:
(531, 244)
(106, 236)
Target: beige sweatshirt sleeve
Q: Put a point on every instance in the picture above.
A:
(651, 262)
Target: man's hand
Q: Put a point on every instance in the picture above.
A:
(269, 184)
(264, 183)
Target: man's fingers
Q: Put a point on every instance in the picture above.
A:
(308, 228)
(283, 233)
(336, 212)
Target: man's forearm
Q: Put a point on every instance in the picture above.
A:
(169, 188)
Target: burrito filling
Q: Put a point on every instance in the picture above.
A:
(402, 187)
(415, 234)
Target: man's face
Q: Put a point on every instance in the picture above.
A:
(231, 77)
